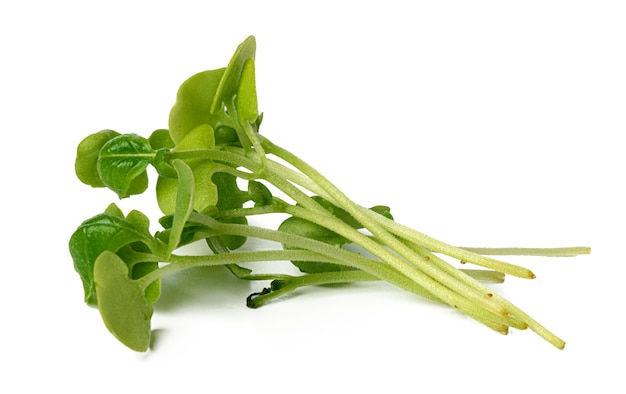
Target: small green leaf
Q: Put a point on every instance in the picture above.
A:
(229, 194)
(230, 197)
(206, 192)
(259, 193)
(122, 164)
(114, 210)
(345, 217)
(122, 302)
(229, 84)
(87, 153)
(225, 135)
(162, 165)
(233, 242)
(305, 228)
(139, 221)
(184, 203)
(193, 103)
(160, 139)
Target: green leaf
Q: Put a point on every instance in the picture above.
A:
(229, 194)
(345, 217)
(233, 242)
(114, 210)
(225, 135)
(184, 203)
(192, 232)
(87, 153)
(206, 192)
(229, 84)
(160, 139)
(247, 105)
(103, 232)
(230, 197)
(305, 228)
(193, 103)
(383, 210)
(153, 291)
(122, 302)
(259, 193)
(200, 137)
(122, 164)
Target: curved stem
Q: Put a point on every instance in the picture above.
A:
(376, 268)
(379, 226)
(177, 262)
(427, 281)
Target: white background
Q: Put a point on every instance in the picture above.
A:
(482, 123)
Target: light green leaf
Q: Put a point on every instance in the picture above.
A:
(122, 302)
(160, 139)
(229, 84)
(193, 103)
(86, 164)
(205, 190)
(200, 137)
(247, 105)
(184, 203)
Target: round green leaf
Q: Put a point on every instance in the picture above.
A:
(122, 302)
(193, 103)
(87, 153)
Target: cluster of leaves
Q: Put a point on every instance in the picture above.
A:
(213, 145)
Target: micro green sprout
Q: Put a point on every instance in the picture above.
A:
(211, 147)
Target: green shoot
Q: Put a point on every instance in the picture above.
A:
(212, 146)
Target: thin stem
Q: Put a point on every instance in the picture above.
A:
(441, 247)
(442, 277)
(177, 262)
(540, 252)
(426, 281)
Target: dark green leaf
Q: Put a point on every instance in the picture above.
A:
(233, 242)
(229, 194)
(230, 197)
(162, 165)
(122, 302)
(225, 135)
(383, 210)
(102, 232)
(122, 164)
(259, 193)
(87, 157)
(347, 218)
(305, 228)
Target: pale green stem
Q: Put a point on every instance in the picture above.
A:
(539, 252)
(441, 247)
(427, 281)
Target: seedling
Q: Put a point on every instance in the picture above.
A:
(212, 146)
